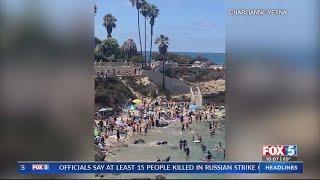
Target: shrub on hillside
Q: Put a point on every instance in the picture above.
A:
(111, 92)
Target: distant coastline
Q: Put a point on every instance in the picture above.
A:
(217, 58)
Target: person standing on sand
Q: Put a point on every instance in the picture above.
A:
(157, 122)
(182, 128)
(133, 128)
(146, 129)
(185, 144)
(187, 150)
(152, 121)
(209, 156)
(118, 135)
(187, 125)
(126, 133)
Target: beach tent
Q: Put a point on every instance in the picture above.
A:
(193, 107)
(137, 101)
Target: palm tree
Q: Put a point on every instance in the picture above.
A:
(153, 14)
(129, 48)
(137, 4)
(109, 22)
(145, 12)
(163, 43)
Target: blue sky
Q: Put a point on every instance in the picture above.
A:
(192, 26)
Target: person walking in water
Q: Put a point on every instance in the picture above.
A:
(204, 148)
(185, 144)
(187, 150)
(182, 128)
(209, 156)
(180, 144)
(181, 118)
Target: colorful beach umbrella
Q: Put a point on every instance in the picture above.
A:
(137, 101)
(132, 107)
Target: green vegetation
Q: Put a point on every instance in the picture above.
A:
(153, 14)
(181, 59)
(111, 92)
(109, 22)
(145, 90)
(194, 74)
(145, 11)
(107, 50)
(137, 4)
(163, 43)
(129, 48)
(136, 59)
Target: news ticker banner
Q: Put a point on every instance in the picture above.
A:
(41, 167)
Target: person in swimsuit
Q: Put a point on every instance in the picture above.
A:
(209, 156)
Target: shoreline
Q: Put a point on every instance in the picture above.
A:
(113, 147)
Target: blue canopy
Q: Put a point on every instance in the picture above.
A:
(193, 107)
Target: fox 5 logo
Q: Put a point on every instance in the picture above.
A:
(280, 150)
(40, 166)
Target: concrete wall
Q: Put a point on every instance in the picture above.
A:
(118, 70)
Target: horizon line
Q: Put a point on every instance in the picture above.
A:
(190, 52)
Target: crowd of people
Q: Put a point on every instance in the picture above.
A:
(137, 119)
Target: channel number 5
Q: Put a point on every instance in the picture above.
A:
(292, 150)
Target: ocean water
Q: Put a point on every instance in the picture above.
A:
(218, 58)
(172, 134)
